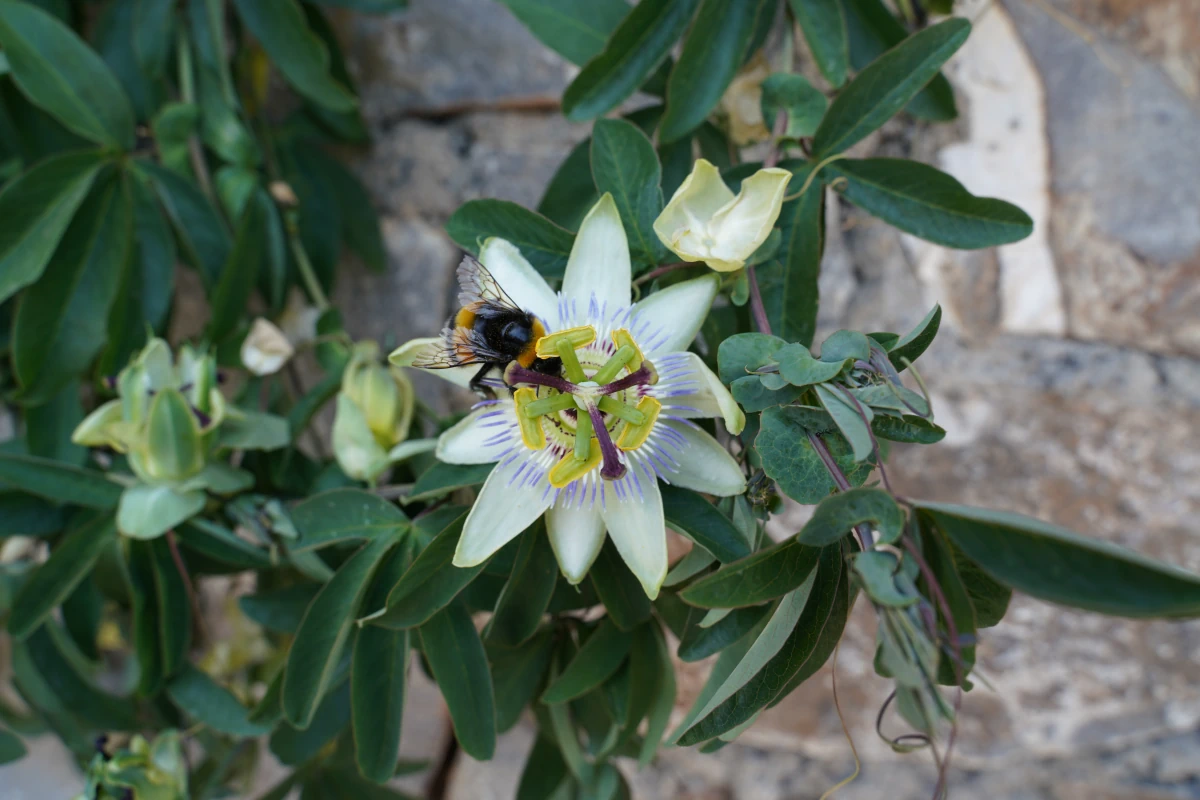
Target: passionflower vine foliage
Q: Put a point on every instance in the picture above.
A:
(588, 448)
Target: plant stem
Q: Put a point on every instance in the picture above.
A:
(307, 273)
(756, 303)
(843, 485)
(660, 271)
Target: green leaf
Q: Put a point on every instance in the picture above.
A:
(59, 482)
(280, 610)
(459, 665)
(441, 479)
(294, 746)
(763, 576)
(824, 30)
(545, 774)
(789, 281)
(51, 654)
(544, 244)
(11, 748)
(24, 515)
(572, 191)
(939, 555)
(36, 208)
(1060, 566)
(789, 458)
(44, 700)
(916, 341)
(58, 72)
(48, 586)
(624, 163)
(253, 430)
(360, 221)
(638, 45)
(48, 427)
(527, 592)
(221, 545)
(145, 622)
(597, 660)
(147, 512)
(153, 21)
(743, 353)
(873, 29)
(878, 571)
(926, 202)
(281, 28)
(81, 616)
(837, 515)
(798, 367)
(852, 420)
(430, 584)
(62, 320)
(621, 593)
(886, 86)
(908, 429)
(204, 241)
(690, 514)
(207, 702)
(790, 648)
(174, 608)
(802, 102)
(173, 125)
(323, 632)
(716, 46)
(516, 675)
(340, 515)
(575, 29)
(238, 276)
(663, 703)
(700, 643)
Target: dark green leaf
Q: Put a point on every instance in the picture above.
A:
(621, 593)
(798, 367)
(459, 665)
(173, 126)
(323, 632)
(24, 515)
(837, 515)
(700, 643)
(572, 191)
(916, 341)
(527, 592)
(204, 241)
(430, 584)
(575, 29)
(516, 674)
(886, 86)
(344, 514)
(545, 772)
(360, 222)
(279, 610)
(61, 74)
(926, 202)
(35, 689)
(873, 29)
(294, 746)
(639, 44)
(36, 208)
(789, 458)
(824, 30)
(81, 615)
(442, 478)
(50, 654)
(693, 516)
(939, 554)
(789, 281)
(755, 579)
(1059, 566)
(909, 429)
(624, 163)
(879, 573)
(717, 45)
(599, 657)
(48, 427)
(112, 37)
(207, 702)
(546, 245)
(238, 276)
(11, 748)
(743, 353)
(802, 102)
(59, 482)
(50, 583)
(346, 125)
(299, 53)
(221, 544)
(643, 675)
(145, 625)
(153, 22)
(852, 419)
(173, 605)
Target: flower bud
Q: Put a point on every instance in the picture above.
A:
(172, 450)
(705, 221)
(742, 103)
(266, 349)
(374, 410)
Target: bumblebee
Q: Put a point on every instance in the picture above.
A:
(489, 329)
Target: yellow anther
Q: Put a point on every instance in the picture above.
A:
(547, 346)
(532, 433)
(623, 338)
(633, 436)
(568, 470)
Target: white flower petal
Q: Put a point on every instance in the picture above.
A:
(485, 435)
(518, 278)
(705, 466)
(508, 503)
(403, 356)
(576, 534)
(599, 263)
(706, 396)
(265, 349)
(739, 228)
(635, 524)
(679, 310)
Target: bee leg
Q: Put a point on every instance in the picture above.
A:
(476, 384)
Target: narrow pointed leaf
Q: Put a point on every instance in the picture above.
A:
(767, 574)
(459, 664)
(527, 592)
(240, 272)
(174, 608)
(915, 342)
(700, 643)
(824, 30)
(624, 163)
(837, 515)
(599, 657)
(341, 515)
(788, 281)
(621, 593)
(209, 703)
(517, 672)
(575, 29)
(690, 514)
(204, 241)
(546, 245)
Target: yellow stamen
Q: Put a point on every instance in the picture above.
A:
(567, 470)
(624, 354)
(583, 437)
(611, 405)
(633, 436)
(532, 433)
(623, 338)
(547, 346)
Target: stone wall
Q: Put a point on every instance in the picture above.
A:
(1068, 373)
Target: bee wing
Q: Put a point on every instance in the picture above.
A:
(457, 347)
(476, 286)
